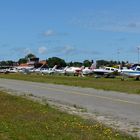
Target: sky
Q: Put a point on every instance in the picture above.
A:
(74, 30)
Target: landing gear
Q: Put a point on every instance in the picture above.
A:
(137, 78)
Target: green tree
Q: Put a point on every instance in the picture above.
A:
(30, 55)
(56, 61)
(87, 63)
(7, 63)
(10, 63)
(77, 64)
(22, 61)
(26, 58)
(3, 63)
(101, 63)
(70, 64)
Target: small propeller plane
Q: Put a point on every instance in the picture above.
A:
(132, 73)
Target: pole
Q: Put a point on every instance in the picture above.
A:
(138, 54)
(118, 53)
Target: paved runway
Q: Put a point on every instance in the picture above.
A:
(118, 108)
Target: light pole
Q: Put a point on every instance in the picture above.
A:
(118, 53)
(138, 54)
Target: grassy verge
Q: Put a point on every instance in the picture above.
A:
(22, 119)
(128, 86)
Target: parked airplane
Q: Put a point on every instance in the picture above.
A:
(106, 71)
(48, 70)
(38, 70)
(24, 69)
(89, 70)
(133, 73)
(74, 70)
(12, 70)
(61, 71)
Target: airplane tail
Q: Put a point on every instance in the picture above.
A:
(54, 67)
(82, 67)
(66, 68)
(133, 67)
(93, 66)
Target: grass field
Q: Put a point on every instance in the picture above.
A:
(128, 86)
(22, 119)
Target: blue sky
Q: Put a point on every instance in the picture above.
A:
(74, 30)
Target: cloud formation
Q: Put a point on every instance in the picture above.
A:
(49, 33)
(42, 50)
(104, 21)
(27, 51)
(67, 49)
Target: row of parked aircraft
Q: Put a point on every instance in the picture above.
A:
(134, 71)
(66, 70)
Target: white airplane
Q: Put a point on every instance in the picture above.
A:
(61, 71)
(2, 70)
(38, 70)
(12, 70)
(106, 71)
(74, 70)
(132, 73)
(48, 70)
(24, 69)
(89, 70)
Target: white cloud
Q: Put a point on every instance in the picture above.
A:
(27, 51)
(42, 50)
(68, 49)
(64, 50)
(49, 33)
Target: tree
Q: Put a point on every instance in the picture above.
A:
(30, 55)
(101, 63)
(70, 64)
(22, 61)
(123, 64)
(26, 58)
(7, 63)
(56, 61)
(77, 64)
(87, 63)
(10, 63)
(111, 63)
(3, 63)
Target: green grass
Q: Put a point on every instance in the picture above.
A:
(22, 119)
(128, 86)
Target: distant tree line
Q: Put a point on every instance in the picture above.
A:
(100, 63)
(7, 63)
(61, 62)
